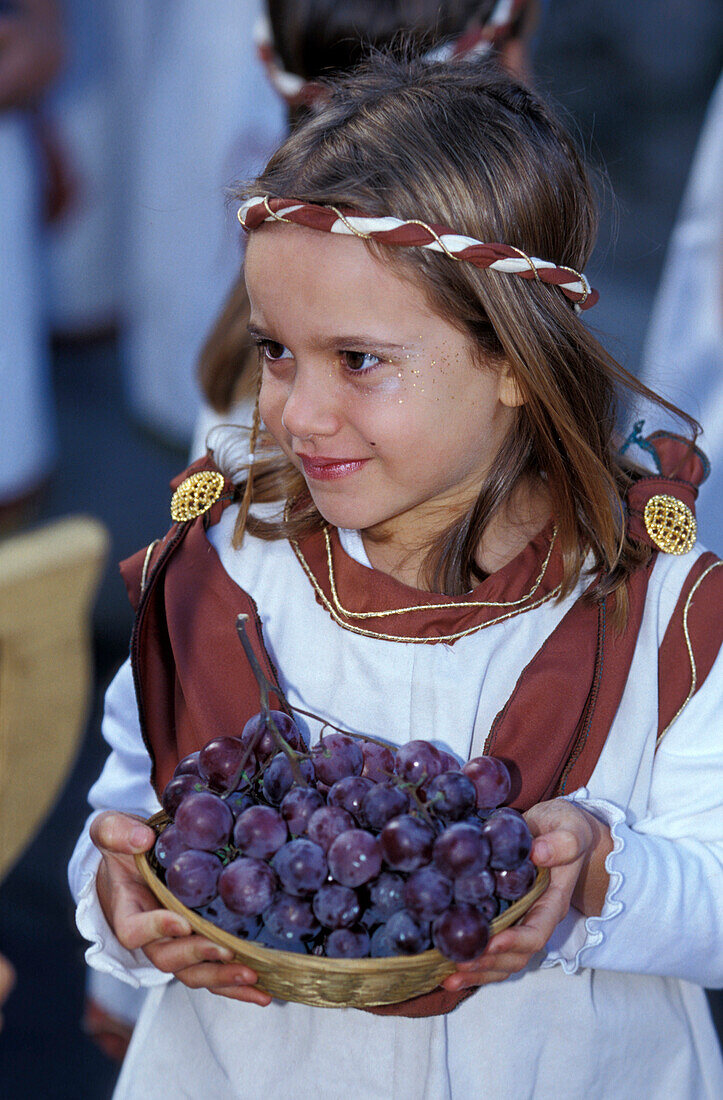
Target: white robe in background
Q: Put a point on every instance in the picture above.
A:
(27, 423)
(199, 115)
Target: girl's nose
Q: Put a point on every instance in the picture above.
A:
(311, 408)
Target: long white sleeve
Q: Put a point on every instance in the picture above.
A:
(124, 784)
(664, 908)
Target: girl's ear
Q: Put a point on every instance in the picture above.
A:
(509, 391)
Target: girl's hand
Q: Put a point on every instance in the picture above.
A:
(574, 845)
(166, 938)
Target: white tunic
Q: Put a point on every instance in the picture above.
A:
(613, 1008)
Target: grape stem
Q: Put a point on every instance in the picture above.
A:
(265, 686)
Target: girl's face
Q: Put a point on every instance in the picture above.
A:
(375, 398)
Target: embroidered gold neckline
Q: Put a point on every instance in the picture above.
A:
(340, 614)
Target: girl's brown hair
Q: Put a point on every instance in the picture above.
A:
(463, 145)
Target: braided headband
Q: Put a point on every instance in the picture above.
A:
(475, 42)
(391, 231)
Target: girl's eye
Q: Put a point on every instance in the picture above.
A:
(359, 361)
(273, 351)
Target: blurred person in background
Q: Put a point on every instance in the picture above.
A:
(7, 981)
(31, 55)
(683, 354)
(300, 42)
(194, 111)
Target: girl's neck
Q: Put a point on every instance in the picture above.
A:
(507, 533)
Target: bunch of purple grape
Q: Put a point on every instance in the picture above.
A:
(347, 850)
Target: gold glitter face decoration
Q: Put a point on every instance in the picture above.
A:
(351, 354)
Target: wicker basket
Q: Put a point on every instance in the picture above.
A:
(324, 982)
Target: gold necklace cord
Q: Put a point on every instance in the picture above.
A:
(413, 640)
(691, 656)
(429, 606)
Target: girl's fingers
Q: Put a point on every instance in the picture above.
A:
(243, 993)
(465, 981)
(212, 975)
(553, 849)
(121, 833)
(172, 955)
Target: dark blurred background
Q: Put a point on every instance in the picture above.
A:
(635, 80)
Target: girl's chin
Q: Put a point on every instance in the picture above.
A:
(347, 515)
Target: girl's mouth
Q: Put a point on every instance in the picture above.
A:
(319, 468)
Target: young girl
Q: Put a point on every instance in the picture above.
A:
(436, 538)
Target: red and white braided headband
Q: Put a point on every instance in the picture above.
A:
(417, 234)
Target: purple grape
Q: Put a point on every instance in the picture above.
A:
(259, 832)
(380, 947)
(177, 789)
(204, 821)
(238, 801)
(427, 893)
(279, 777)
(188, 765)
(491, 781)
(451, 796)
(509, 839)
(326, 824)
(461, 934)
(297, 806)
(378, 761)
(348, 943)
(460, 850)
(260, 737)
(380, 804)
(301, 867)
(193, 877)
(475, 887)
(247, 885)
(226, 765)
(289, 918)
(405, 934)
(386, 894)
(355, 857)
(406, 842)
(349, 793)
(417, 762)
(513, 883)
(219, 914)
(336, 906)
(369, 919)
(168, 846)
(336, 756)
(450, 763)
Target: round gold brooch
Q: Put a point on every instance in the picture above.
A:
(670, 524)
(195, 495)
